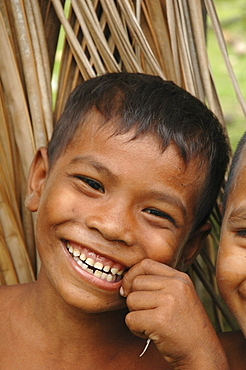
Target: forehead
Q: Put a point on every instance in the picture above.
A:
(237, 192)
(95, 129)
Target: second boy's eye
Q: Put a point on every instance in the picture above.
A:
(241, 233)
(92, 183)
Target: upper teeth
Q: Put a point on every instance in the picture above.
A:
(97, 268)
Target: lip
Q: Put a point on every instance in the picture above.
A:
(88, 277)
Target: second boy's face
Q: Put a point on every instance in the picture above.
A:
(107, 203)
(231, 265)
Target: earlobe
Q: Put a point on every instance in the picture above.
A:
(36, 179)
(193, 246)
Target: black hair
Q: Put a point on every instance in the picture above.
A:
(236, 159)
(151, 105)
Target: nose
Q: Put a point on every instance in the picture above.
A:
(114, 221)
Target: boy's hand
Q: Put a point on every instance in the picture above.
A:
(164, 307)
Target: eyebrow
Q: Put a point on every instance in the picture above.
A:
(238, 213)
(87, 159)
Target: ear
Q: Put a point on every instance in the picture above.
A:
(193, 246)
(36, 179)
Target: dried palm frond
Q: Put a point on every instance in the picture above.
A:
(162, 37)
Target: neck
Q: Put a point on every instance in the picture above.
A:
(61, 323)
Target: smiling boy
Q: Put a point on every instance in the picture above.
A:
(122, 196)
(231, 271)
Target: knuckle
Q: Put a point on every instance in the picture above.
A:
(181, 287)
(170, 300)
(186, 278)
(137, 282)
(183, 281)
(146, 264)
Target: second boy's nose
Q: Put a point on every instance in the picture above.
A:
(115, 222)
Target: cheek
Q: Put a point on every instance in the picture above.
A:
(231, 275)
(56, 204)
(161, 246)
(226, 273)
(53, 210)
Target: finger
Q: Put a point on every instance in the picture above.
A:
(152, 268)
(151, 282)
(136, 321)
(139, 324)
(174, 298)
(144, 300)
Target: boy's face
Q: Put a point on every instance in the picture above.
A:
(111, 202)
(231, 265)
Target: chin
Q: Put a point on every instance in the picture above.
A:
(91, 301)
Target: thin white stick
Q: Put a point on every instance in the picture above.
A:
(145, 348)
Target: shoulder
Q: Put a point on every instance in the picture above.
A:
(8, 297)
(11, 300)
(9, 291)
(13, 321)
(234, 344)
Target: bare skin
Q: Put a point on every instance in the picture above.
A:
(66, 339)
(234, 344)
(59, 337)
(231, 272)
(128, 206)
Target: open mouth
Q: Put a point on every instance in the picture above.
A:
(98, 266)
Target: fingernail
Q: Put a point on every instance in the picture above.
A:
(122, 293)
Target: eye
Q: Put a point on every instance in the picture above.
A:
(158, 213)
(241, 233)
(91, 183)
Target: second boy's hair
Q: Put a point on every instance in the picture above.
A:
(233, 169)
(150, 105)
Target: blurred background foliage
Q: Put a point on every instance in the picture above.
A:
(232, 16)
